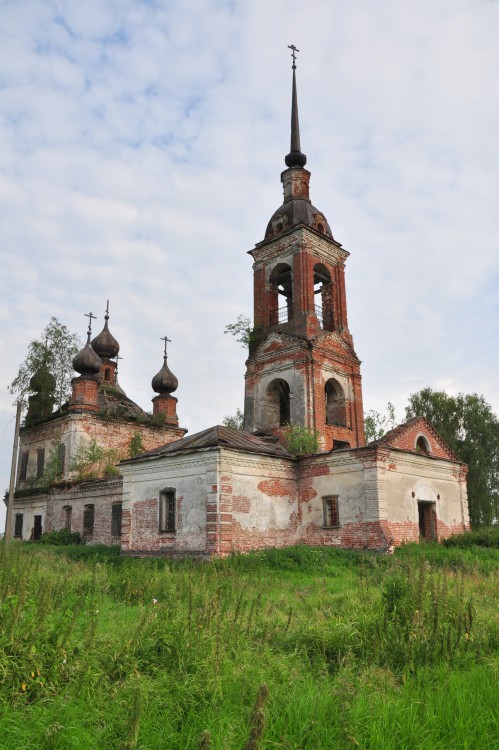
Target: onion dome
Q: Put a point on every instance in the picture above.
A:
(164, 382)
(297, 211)
(87, 362)
(105, 345)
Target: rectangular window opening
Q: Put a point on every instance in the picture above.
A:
(88, 521)
(40, 462)
(23, 471)
(116, 515)
(18, 526)
(68, 512)
(61, 458)
(167, 514)
(330, 511)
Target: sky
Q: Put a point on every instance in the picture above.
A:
(141, 149)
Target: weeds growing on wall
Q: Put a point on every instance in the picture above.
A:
(300, 441)
(93, 461)
(300, 648)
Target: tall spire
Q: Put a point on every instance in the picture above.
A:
(295, 158)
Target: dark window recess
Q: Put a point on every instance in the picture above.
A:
(422, 446)
(68, 512)
(37, 528)
(167, 520)
(40, 462)
(18, 526)
(24, 465)
(116, 514)
(61, 458)
(330, 508)
(88, 521)
(335, 404)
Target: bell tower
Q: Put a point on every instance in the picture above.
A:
(302, 367)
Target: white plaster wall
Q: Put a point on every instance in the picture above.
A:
(355, 486)
(427, 478)
(272, 505)
(35, 506)
(192, 476)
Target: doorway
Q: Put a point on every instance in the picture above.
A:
(427, 521)
(37, 529)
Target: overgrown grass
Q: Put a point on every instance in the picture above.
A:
(298, 648)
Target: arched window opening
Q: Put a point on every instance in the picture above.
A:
(281, 286)
(323, 291)
(422, 445)
(278, 410)
(107, 374)
(336, 413)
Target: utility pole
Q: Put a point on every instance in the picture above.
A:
(8, 520)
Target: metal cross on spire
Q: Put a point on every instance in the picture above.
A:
(294, 50)
(167, 341)
(90, 317)
(107, 310)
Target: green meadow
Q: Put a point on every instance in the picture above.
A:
(298, 648)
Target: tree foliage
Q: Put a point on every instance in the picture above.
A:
(241, 330)
(249, 337)
(471, 429)
(53, 353)
(236, 421)
(377, 424)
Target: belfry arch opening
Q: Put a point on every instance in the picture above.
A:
(323, 295)
(281, 294)
(336, 412)
(278, 403)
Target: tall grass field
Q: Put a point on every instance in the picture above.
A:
(303, 648)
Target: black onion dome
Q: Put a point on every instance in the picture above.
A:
(164, 381)
(87, 362)
(297, 211)
(105, 345)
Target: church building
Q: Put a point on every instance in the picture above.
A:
(223, 490)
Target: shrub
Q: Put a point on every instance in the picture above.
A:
(485, 537)
(136, 446)
(300, 441)
(61, 537)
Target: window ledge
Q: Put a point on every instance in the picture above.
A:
(326, 528)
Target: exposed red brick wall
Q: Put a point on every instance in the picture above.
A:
(84, 394)
(277, 487)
